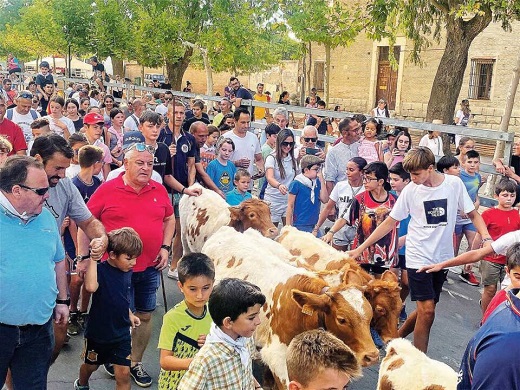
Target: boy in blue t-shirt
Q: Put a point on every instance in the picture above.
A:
(241, 191)
(107, 337)
(305, 193)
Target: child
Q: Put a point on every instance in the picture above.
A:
(305, 193)
(240, 193)
(401, 145)
(43, 78)
(76, 142)
(465, 144)
(317, 359)
(208, 152)
(107, 337)
(58, 123)
(185, 326)
(433, 141)
(221, 170)
(224, 362)
(370, 148)
(432, 201)
(449, 165)
(90, 160)
(472, 181)
(399, 179)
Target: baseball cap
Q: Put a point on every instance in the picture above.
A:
(44, 64)
(92, 118)
(309, 160)
(132, 137)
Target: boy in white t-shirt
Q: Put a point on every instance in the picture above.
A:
(432, 201)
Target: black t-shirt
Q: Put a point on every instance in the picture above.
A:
(185, 149)
(162, 161)
(515, 163)
(98, 71)
(322, 128)
(78, 124)
(187, 123)
(243, 93)
(109, 320)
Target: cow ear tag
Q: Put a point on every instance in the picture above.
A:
(307, 310)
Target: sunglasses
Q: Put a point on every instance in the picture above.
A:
(290, 144)
(310, 139)
(37, 191)
(142, 147)
(26, 95)
(168, 99)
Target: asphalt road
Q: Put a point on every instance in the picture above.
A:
(457, 318)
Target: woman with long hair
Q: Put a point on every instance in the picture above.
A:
(280, 171)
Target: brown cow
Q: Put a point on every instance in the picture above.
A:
(203, 215)
(297, 300)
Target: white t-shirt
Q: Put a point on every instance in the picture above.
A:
(161, 109)
(24, 121)
(115, 173)
(502, 244)
(131, 123)
(337, 159)
(270, 162)
(434, 144)
(433, 212)
(342, 194)
(245, 147)
(57, 130)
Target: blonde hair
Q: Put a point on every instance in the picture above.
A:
(5, 144)
(418, 158)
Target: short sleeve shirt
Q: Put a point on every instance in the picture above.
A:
(14, 134)
(65, 200)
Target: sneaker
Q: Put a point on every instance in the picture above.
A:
(77, 386)
(469, 278)
(83, 319)
(402, 316)
(109, 369)
(173, 274)
(73, 328)
(140, 376)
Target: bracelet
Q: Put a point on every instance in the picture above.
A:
(182, 191)
(486, 240)
(332, 231)
(278, 186)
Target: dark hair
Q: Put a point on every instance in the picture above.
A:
(360, 162)
(88, 155)
(272, 129)
(400, 134)
(94, 93)
(240, 110)
(379, 169)
(213, 129)
(150, 116)
(195, 264)
(15, 171)
(73, 101)
(39, 123)
(103, 105)
(282, 136)
(224, 127)
(57, 99)
(76, 138)
(284, 93)
(398, 169)
(344, 124)
(232, 78)
(472, 154)
(125, 241)
(321, 103)
(114, 112)
(47, 145)
(84, 100)
(198, 103)
(505, 185)
(446, 162)
(462, 142)
(377, 122)
(513, 256)
(360, 118)
(231, 298)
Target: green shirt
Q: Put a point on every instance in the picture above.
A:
(179, 333)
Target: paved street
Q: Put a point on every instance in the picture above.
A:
(457, 317)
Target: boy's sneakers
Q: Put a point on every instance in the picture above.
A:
(73, 328)
(140, 376)
(83, 319)
(469, 278)
(402, 316)
(109, 369)
(173, 274)
(78, 387)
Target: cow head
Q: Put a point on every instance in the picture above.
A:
(345, 312)
(384, 297)
(253, 213)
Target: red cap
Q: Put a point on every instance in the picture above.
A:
(92, 118)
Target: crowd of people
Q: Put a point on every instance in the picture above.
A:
(83, 165)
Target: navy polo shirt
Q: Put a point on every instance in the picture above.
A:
(185, 149)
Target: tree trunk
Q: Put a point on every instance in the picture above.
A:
(303, 80)
(309, 70)
(209, 73)
(450, 73)
(176, 70)
(117, 66)
(326, 75)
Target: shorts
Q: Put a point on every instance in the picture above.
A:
(459, 229)
(104, 353)
(373, 268)
(492, 273)
(423, 286)
(176, 199)
(143, 291)
(344, 236)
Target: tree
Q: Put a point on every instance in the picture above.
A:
(424, 20)
(331, 23)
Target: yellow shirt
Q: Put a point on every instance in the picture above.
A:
(260, 111)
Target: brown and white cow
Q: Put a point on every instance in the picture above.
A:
(203, 215)
(332, 264)
(297, 300)
(406, 368)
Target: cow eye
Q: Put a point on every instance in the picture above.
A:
(251, 215)
(342, 321)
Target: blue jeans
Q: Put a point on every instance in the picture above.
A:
(143, 292)
(27, 352)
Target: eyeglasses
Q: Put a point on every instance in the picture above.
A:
(142, 147)
(38, 191)
(367, 178)
(168, 99)
(290, 144)
(317, 169)
(26, 95)
(310, 139)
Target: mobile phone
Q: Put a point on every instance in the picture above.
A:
(312, 151)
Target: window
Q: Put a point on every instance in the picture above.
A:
(480, 78)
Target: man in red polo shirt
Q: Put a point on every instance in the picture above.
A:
(12, 132)
(134, 200)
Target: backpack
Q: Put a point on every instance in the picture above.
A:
(9, 114)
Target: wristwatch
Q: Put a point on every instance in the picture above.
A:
(63, 301)
(80, 258)
(167, 247)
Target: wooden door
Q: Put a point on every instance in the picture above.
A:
(387, 77)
